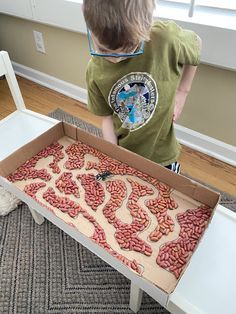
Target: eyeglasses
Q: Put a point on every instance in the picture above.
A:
(114, 55)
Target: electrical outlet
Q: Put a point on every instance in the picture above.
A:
(39, 42)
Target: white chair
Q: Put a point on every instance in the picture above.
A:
(22, 125)
(17, 129)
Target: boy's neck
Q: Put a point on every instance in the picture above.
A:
(103, 49)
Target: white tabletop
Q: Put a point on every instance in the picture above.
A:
(208, 284)
(20, 128)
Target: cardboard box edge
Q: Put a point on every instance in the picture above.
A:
(67, 129)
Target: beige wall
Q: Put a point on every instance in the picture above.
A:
(210, 107)
(66, 52)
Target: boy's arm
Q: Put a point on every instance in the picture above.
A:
(184, 86)
(108, 130)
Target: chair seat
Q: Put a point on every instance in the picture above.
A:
(21, 127)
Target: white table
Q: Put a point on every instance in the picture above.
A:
(207, 286)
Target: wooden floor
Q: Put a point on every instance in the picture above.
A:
(44, 100)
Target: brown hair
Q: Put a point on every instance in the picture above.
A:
(119, 23)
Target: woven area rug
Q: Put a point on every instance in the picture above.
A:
(43, 270)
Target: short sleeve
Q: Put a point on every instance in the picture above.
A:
(187, 46)
(96, 102)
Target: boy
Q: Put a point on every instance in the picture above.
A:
(139, 76)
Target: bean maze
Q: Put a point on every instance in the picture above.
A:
(150, 227)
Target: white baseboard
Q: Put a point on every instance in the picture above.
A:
(51, 82)
(200, 142)
(206, 144)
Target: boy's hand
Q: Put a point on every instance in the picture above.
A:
(180, 98)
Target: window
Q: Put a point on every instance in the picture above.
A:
(219, 13)
(213, 20)
(207, 4)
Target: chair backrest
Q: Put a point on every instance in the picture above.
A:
(7, 70)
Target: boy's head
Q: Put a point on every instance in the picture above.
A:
(119, 24)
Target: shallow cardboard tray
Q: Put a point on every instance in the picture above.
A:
(182, 184)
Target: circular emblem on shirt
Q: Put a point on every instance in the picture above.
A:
(134, 99)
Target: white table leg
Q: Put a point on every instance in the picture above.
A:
(39, 219)
(136, 295)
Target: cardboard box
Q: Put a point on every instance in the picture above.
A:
(186, 190)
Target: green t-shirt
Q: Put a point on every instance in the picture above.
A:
(139, 92)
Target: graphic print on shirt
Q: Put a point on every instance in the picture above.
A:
(134, 99)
